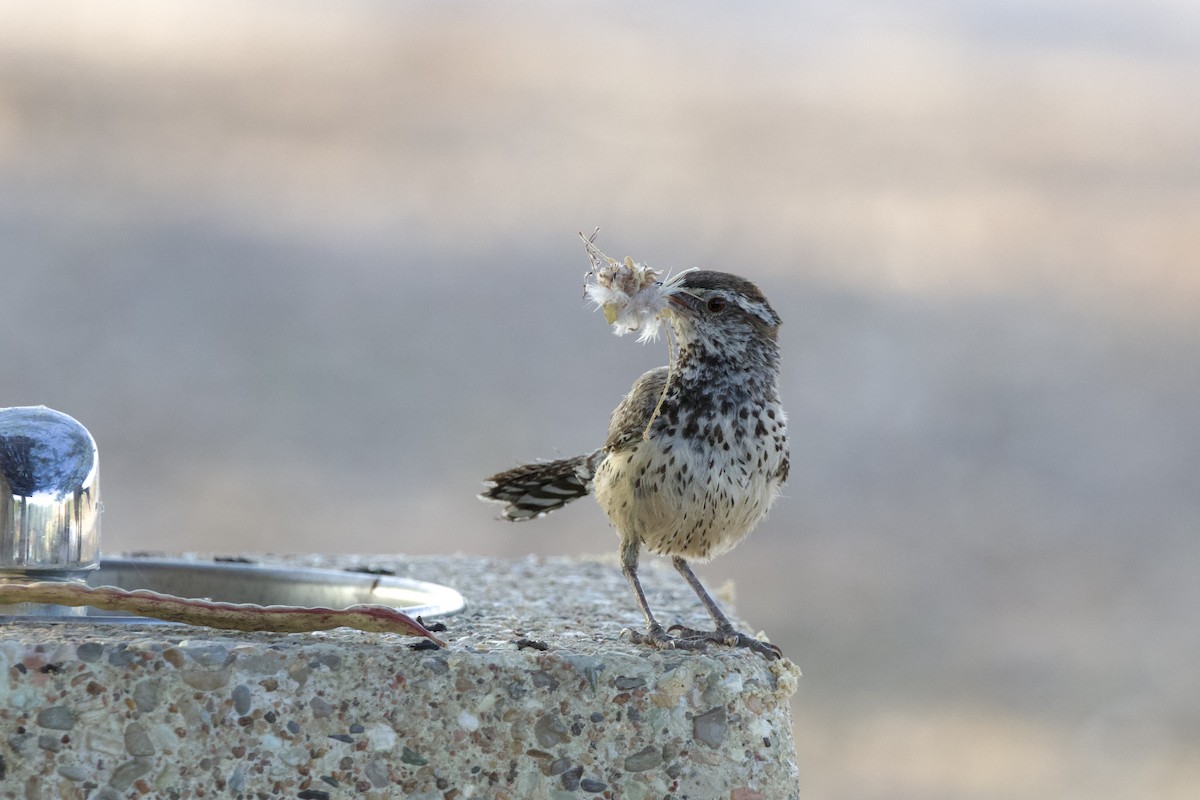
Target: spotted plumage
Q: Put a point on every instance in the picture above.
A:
(693, 479)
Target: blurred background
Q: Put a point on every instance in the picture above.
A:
(308, 271)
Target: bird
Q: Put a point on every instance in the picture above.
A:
(695, 455)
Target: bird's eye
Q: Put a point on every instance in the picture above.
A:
(716, 305)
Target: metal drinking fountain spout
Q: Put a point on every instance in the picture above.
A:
(49, 499)
(50, 531)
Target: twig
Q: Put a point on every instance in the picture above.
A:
(227, 616)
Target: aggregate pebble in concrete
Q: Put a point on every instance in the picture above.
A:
(108, 711)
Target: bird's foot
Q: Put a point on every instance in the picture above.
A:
(727, 636)
(659, 639)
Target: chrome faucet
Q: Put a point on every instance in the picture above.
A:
(49, 500)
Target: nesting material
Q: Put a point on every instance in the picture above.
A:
(631, 294)
(634, 298)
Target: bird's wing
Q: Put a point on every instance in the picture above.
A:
(632, 414)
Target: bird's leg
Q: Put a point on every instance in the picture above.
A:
(654, 636)
(725, 632)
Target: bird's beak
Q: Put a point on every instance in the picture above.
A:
(678, 298)
(681, 300)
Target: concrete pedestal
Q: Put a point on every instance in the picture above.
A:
(538, 696)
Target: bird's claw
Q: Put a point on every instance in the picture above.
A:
(659, 639)
(729, 637)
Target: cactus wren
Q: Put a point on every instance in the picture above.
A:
(692, 480)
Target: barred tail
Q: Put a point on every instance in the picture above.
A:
(535, 489)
